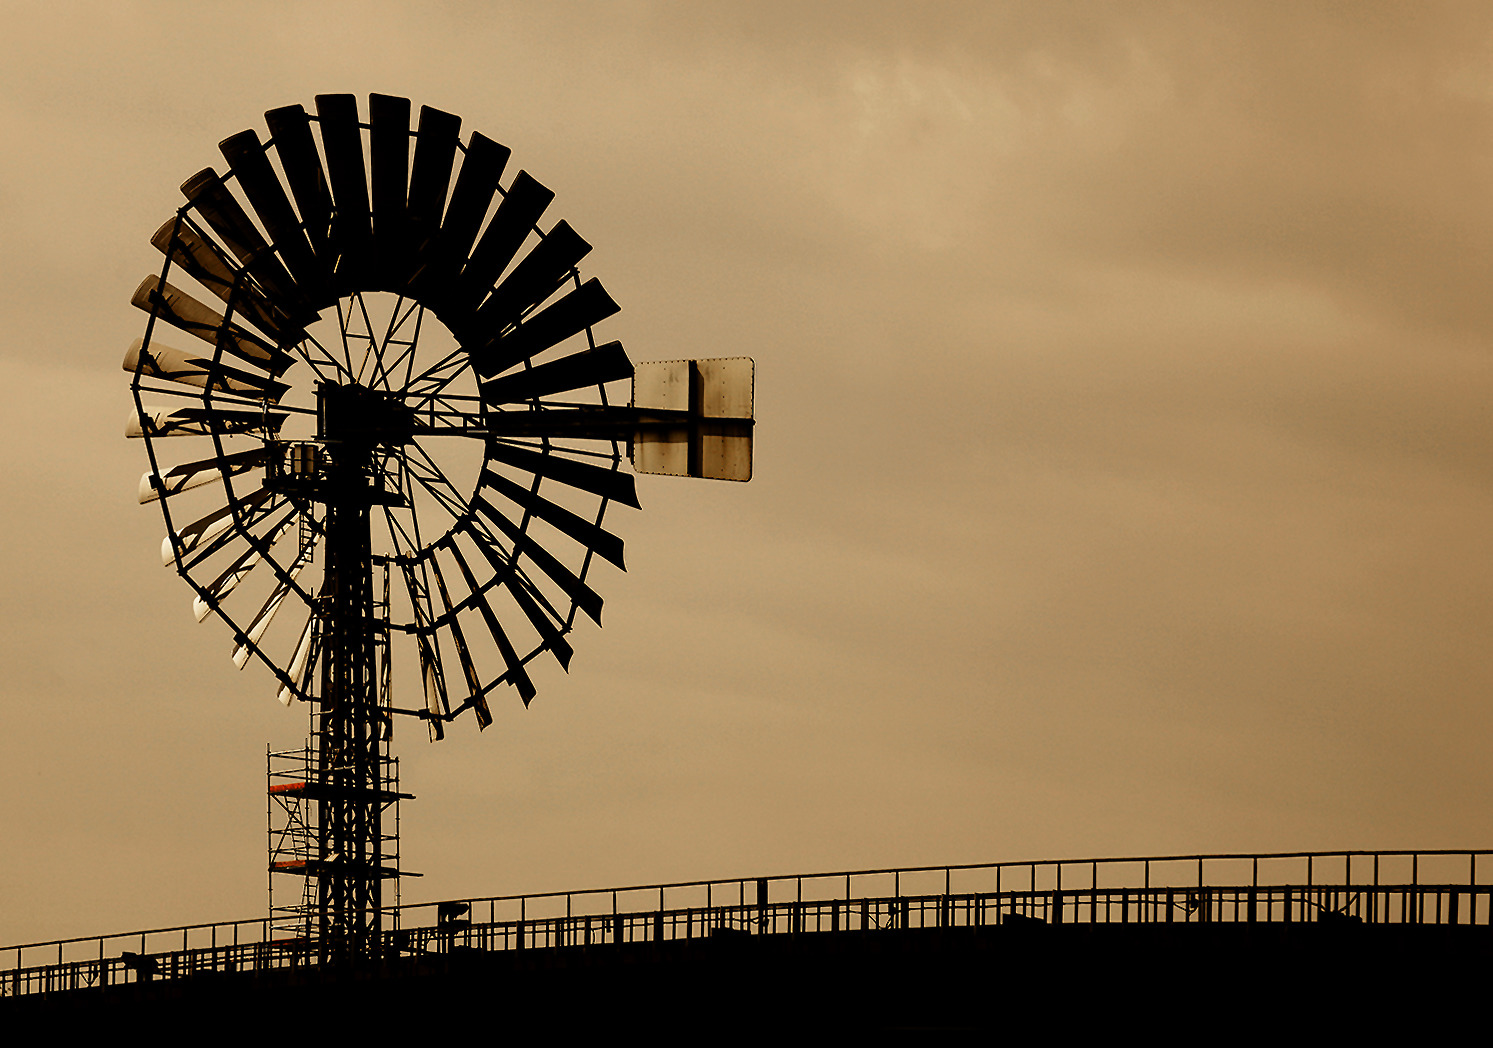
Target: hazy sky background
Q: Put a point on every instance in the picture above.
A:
(1124, 471)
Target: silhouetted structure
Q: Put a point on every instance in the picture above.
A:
(341, 216)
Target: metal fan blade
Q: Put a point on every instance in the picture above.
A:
(511, 223)
(174, 365)
(433, 681)
(251, 166)
(194, 474)
(266, 615)
(184, 312)
(296, 147)
(205, 529)
(591, 367)
(517, 674)
(193, 422)
(299, 664)
(610, 484)
(533, 280)
(587, 599)
(554, 639)
(476, 184)
(468, 670)
(589, 304)
(218, 207)
(592, 536)
(430, 175)
(235, 573)
(389, 158)
(206, 264)
(352, 233)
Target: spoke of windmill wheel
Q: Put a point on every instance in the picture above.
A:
(441, 374)
(196, 422)
(585, 598)
(205, 263)
(174, 365)
(214, 593)
(399, 317)
(296, 147)
(439, 487)
(184, 312)
(190, 475)
(546, 621)
(463, 656)
(251, 166)
(328, 358)
(587, 305)
(257, 407)
(610, 484)
(250, 638)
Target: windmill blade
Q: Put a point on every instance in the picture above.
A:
(511, 223)
(291, 131)
(195, 474)
(587, 599)
(174, 365)
(389, 157)
(211, 199)
(468, 670)
(554, 638)
(252, 519)
(433, 681)
(184, 312)
(235, 573)
(443, 256)
(517, 674)
(592, 536)
(591, 367)
(533, 280)
(610, 484)
(196, 422)
(205, 529)
(251, 166)
(430, 176)
(206, 264)
(300, 663)
(352, 232)
(249, 640)
(589, 304)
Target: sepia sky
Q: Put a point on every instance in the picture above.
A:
(1124, 475)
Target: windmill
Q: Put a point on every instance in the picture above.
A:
(382, 433)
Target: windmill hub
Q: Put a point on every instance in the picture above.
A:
(355, 414)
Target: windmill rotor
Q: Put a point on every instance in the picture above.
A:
(382, 432)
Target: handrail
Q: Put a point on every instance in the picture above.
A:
(248, 944)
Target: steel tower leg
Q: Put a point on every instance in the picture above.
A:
(347, 730)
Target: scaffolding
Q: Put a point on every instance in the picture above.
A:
(295, 806)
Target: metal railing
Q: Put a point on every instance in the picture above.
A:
(1389, 887)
